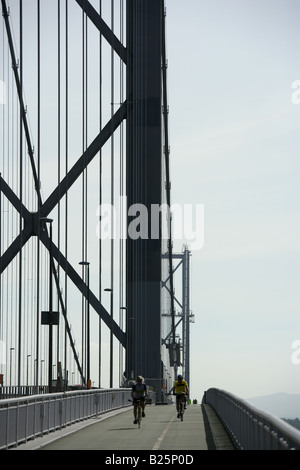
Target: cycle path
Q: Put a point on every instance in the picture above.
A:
(160, 430)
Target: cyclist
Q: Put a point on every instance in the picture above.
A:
(139, 392)
(180, 386)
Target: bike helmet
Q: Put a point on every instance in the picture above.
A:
(179, 377)
(139, 377)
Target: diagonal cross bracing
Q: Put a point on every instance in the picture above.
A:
(84, 160)
(22, 106)
(104, 29)
(77, 280)
(31, 220)
(32, 224)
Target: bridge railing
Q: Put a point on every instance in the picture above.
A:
(23, 391)
(249, 427)
(26, 418)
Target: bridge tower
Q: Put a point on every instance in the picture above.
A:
(144, 185)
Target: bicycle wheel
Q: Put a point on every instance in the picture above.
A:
(139, 416)
(181, 410)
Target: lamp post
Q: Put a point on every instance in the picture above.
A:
(42, 360)
(87, 264)
(36, 382)
(111, 339)
(121, 350)
(28, 356)
(10, 366)
(45, 220)
(131, 355)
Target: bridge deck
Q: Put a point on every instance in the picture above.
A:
(160, 430)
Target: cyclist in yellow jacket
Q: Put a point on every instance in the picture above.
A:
(180, 386)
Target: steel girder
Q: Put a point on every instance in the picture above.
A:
(144, 186)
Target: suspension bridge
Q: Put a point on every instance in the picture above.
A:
(82, 131)
(88, 271)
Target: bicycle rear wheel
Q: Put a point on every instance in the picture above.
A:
(181, 411)
(139, 416)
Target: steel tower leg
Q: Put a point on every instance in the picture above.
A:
(144, 167)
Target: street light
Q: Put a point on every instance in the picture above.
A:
(10, 368)
(35, 380)
(42, 360)
(28, 356)
(131, 356)
(121, 348)
(45, 220)
(111, 338)
(87, 264)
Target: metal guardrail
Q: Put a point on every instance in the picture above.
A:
(23, 391)
(249, 427)
(25, 418)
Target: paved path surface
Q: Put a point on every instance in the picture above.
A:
(160, 430)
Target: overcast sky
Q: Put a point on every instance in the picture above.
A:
(235, 139)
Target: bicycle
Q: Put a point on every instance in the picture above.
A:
(138, 411)
(180, 410)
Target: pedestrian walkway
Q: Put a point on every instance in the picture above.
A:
(160, 430)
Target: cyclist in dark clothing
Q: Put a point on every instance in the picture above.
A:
(139, 392)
